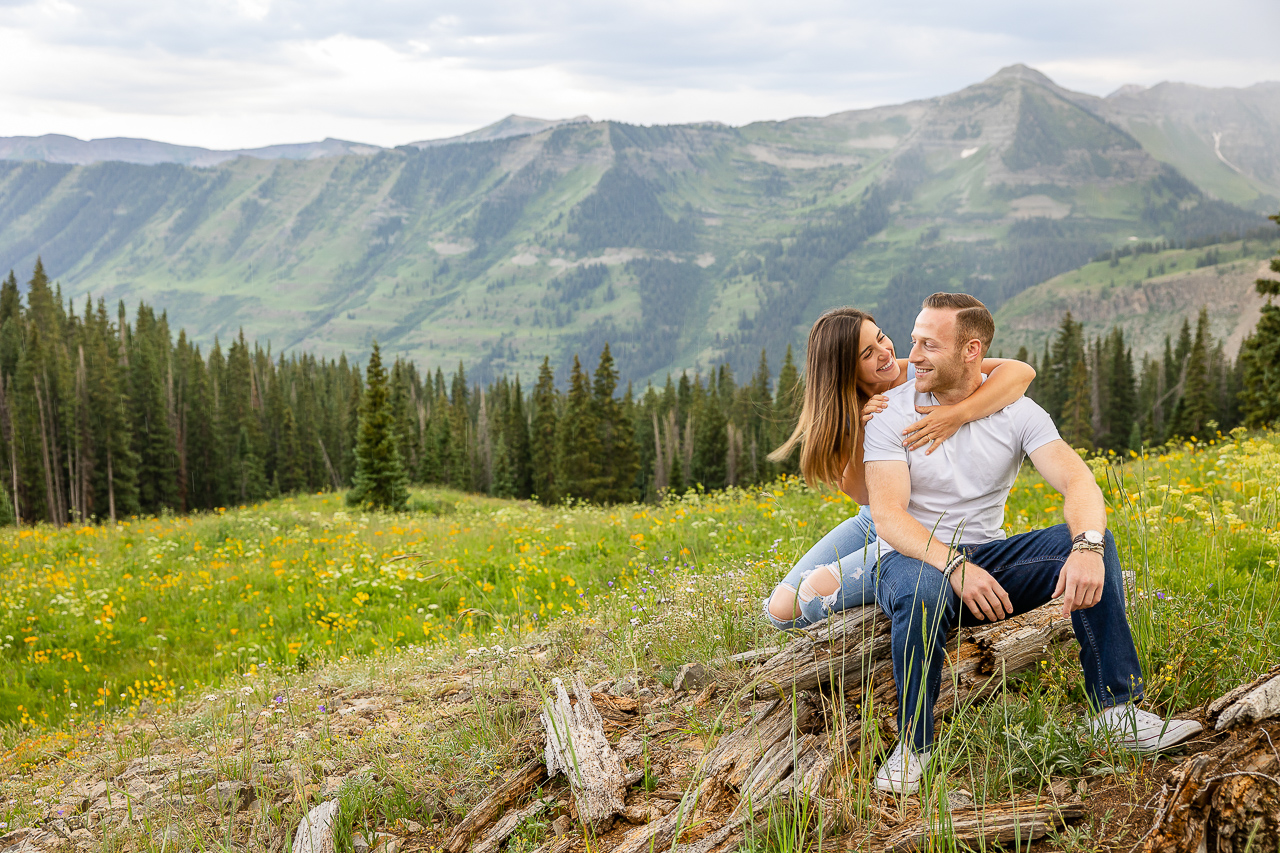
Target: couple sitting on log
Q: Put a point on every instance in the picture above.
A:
(932, 445)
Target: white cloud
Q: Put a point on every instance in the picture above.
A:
(234, 73)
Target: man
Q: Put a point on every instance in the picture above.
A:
(944, 557)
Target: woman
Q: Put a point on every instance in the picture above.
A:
(849, 367)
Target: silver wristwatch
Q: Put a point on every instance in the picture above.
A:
(1088, 540)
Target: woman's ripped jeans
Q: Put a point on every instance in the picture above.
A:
(836, 574)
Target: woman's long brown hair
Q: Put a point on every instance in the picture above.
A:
(831, 415)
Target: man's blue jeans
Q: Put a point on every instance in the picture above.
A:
(924, 608)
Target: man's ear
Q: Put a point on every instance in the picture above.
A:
(973, 351)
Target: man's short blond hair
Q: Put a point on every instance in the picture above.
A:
(973, 320)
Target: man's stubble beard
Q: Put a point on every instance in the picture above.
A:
(947, 375)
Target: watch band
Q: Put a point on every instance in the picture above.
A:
(1082, 545)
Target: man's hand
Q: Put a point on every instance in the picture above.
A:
(1080, 581)
(980, 591)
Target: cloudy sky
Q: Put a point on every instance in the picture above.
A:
(243, 73)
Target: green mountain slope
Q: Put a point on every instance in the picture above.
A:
(1148, 295)
(681, 245)
(1225, 140)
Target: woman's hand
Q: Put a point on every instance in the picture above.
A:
(873, 406)
(938, 424)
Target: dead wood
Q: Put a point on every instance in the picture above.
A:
(841, 647)
(1250, 703)
(518, 784)
(847, 647)
(506, 826)
(1225, 801)
(992, 824)
(785, 747)
(577, 747)
(315, 831)
(1217, 706)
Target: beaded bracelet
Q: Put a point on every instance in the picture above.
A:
(954, 563)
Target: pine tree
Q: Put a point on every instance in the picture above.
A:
(242, 434)
(1259, 362)
(577, 442)
(289, 474)
(542, 437)
(786, 410)
(503, 483)
(380, 481)
(1060, 367)
(710, 445)
(458, 465)
(1196, 408)
(7, 518)
(405, 415)
(1077, 415)
(1118, 414)
(516, 435)
(618, 459)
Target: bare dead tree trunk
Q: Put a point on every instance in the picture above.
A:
(10, 435)
(660, 471)
(178, 421)
(84, 435)
(59, 492)
(333, 475)
(50, 494)
(111, 485)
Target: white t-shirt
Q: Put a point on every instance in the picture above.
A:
(959, 491)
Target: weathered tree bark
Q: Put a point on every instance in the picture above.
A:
(991, 824)
(504, 828)
(786, 747)
(852, 648)
(577, 746)
(1254, 702)
(315, 831)
(518, 784)
(1229, 799)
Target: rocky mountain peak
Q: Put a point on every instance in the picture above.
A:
(1022, 72)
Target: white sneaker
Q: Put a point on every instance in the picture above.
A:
(901, 771)
(1139, 731)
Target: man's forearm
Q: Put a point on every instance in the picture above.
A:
(1082, 505)
(909, 537)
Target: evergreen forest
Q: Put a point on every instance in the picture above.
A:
(102, 418)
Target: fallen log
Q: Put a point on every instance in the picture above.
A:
(984, 826)
(847, 647)
(488, 810)
(1249, 703)
(786, 745)
(577, 747)
(1226, 801)
(507, 825)
(835, 649)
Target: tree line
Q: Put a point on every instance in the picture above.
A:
(102, 418)
(1102, 399)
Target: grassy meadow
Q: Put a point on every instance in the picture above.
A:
(104, 625)
(126, 616)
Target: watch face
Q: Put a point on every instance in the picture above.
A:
(1093, 537)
